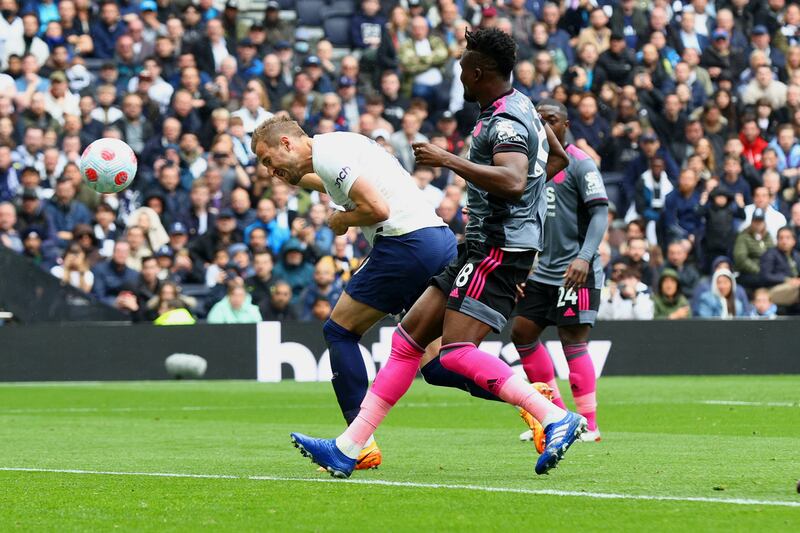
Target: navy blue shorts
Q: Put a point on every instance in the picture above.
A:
(397, 270)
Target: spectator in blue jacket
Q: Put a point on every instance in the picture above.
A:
(787, 149)
(265, 219)
(294, 268)
(721, 300)
(107, 30)
(114, 282)
(325, 285)
(681, 217)
(64, 211)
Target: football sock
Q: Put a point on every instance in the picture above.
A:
(497, 377)
(583, 381)
(390, 384)
(350, 381)
(436, 374)
(539, 367)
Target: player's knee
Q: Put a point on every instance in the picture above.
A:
(333, 332)
(432, 372)
(573, 334)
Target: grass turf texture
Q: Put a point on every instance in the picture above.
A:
(659, 440)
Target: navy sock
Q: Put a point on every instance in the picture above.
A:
(435, 374)
(349, 380)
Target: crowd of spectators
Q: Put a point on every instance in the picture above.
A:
(690, 109)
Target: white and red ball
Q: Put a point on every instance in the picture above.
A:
(108, 165)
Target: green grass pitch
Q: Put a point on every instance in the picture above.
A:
(675, 450)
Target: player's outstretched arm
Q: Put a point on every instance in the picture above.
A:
(506, 178)
(578, 270)
(371, 208)
(557, 159)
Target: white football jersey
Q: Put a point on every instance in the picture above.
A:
(340, 158)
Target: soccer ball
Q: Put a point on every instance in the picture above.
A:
(108, 165)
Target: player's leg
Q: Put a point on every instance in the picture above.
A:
(434, 373)
(349, 320)
(533, 354)
(582, 378)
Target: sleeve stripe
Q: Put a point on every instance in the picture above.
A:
(501, 148)
(596, 201)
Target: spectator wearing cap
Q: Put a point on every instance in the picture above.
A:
(421, 60)
(750, 245)
(58, 100)
(721, 59)
(276, 29)
(114, 282)
(764, 86)
(37, 251)
(352, 102)
(249, 65)
(107, 30)
(9, 236)
(760, 40)
(258, 37)
(618, 61)
(223, 234)
(64, 211)
(313, 66)
(32, 214)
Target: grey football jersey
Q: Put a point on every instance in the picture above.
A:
(569, 195)
(510, 124)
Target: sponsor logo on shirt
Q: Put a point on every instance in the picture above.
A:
(343, 174)
(506, 132)
(594, 183)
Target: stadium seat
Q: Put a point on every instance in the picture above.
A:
(340, 7)
(337, 30)
(310, 12)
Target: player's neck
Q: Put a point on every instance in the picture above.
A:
(493, 94)
(308, 163)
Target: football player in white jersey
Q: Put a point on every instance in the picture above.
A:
(410, 243)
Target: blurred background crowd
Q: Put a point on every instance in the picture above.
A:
(690, 109)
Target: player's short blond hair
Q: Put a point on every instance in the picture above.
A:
(271, 130)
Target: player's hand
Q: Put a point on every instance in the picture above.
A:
(430, 155)
(337, 224)
(520, 291)
(576, 274)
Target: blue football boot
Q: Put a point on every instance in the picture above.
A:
(325, 453)
(559, 436)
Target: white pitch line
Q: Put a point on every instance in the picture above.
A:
(412, 485)
(753, 404)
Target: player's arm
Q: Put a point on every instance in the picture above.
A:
(505, 178)
(371, 208)
(313, 182)
(557, 159)
(578, 270)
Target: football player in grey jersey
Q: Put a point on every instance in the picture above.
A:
(477, 292)
(564, 289)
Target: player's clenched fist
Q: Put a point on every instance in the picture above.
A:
(429, 155)
(337, 223)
